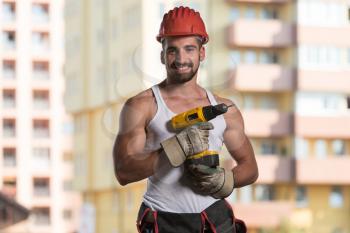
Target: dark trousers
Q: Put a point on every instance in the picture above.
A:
(217, 218)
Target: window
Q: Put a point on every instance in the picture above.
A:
(233, 196)
(234, 14)
(9, 157)
(41, 128)
(41, 70)
(41, 158)
(269, 13)
(302, 148)
(40, 41)
(40, 12)
(338, 147)
(8, 11)
(301, 197)
(9, 128)
(9, 69)
(250, 13)
(268, 148)
(67, 185)
(268, 58)
(336, 199)
(246, 194)
(235, 58)
(321, 149)
(41, 187)
(10, 186)
(67, 214)
(8, 98)
(264, 193)
(250, 57)
(9, 38)
(268, 102)
(41, 216)
(41, 99)
(248, 102)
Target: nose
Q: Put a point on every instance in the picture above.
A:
(180, 56)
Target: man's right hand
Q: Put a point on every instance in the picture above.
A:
(191, 140)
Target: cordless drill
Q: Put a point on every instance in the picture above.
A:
(201, 114)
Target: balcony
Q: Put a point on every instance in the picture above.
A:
(260, 33)
(257, 1)
(329, 81)
(263, 214)
(335, 36)
(258, 77)
(275, 169)
(334, 170)
(9, 132)
(322, 126)
(267, 123)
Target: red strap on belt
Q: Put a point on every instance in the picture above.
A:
(206, 219)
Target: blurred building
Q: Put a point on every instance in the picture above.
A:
(285, 63)
(36, 133)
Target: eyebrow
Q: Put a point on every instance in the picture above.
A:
(186, 46)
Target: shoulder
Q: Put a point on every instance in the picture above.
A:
(143, 105)
(233, 114)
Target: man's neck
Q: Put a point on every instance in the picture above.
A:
(187, 89)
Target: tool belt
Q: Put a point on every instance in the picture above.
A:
(217, 218)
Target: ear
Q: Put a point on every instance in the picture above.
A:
(202, 53)
(162, 57)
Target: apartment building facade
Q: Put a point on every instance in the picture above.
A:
(286, 65)
(36, 132)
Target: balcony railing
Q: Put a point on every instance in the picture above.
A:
(8, 74)
(9, 103)
(41, 133)
(9, 161)
(260, 33)
(9, 132)
(41, 104)
(37, 75)
(258, 77)
(41, 192)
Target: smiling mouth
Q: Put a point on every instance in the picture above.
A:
(182, 69)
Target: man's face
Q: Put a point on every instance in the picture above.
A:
(181, 57)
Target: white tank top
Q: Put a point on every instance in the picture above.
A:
(166, 188)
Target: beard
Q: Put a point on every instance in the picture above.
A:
(176, 77)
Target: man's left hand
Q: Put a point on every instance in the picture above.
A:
(217, 182)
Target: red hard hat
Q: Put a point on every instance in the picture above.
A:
(182, 21)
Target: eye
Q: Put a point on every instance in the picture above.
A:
(170, 51)
(190, 49)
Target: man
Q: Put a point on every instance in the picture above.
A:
(179, 197)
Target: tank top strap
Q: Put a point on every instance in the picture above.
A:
(160, 101)
(211, 97)
(157, 95)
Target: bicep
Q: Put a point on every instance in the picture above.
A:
(235, 139)
(131, 136)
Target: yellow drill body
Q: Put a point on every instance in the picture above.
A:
(196, 115)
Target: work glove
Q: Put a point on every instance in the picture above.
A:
(191, 140)
(216, 182)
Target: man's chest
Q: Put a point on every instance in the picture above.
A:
(178, 105)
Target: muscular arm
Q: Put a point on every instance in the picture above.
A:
(238, 145)
(131, 162)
